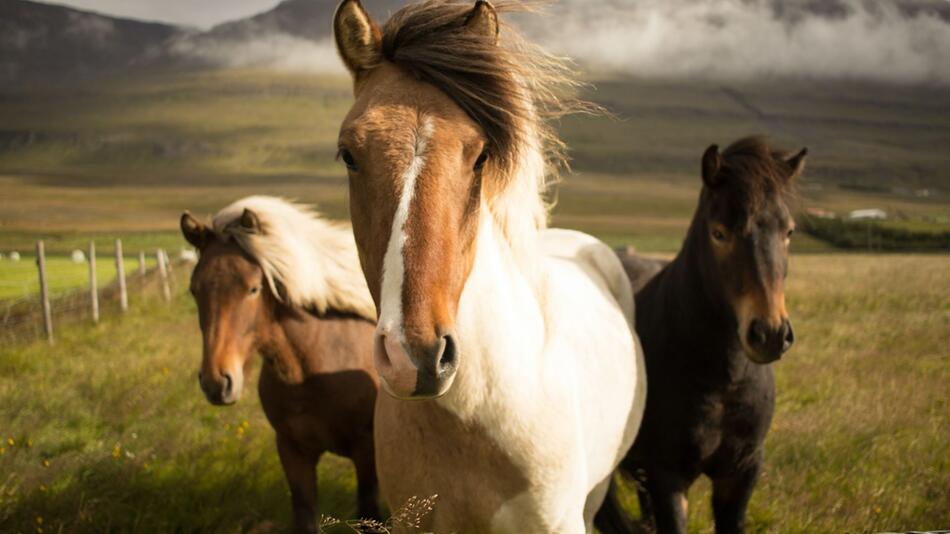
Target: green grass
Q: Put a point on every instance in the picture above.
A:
(113, 434)
(127, 157)
(858, 443)
(21, 279)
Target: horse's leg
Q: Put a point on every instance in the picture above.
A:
(301, 473)
(731, 497)
(668, 499)
(367, 487)
(612, 517)
(647, 517)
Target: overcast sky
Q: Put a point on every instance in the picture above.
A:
(201, 13)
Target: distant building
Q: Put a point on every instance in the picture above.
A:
(875, 214)
(821, 213)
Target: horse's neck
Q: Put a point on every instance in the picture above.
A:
(500, 326)
(688, 310)
(285, 347)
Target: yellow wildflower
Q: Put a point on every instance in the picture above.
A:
(45, 462)
(116, 451)
(11, 442)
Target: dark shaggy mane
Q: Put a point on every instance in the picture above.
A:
(508, 87)
(759, 170)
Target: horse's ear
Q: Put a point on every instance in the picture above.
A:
(712, 164)
(195, 233)
(250, 223)
(483, 20)
(797, 163)
(358, 39)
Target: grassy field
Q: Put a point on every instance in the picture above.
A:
(112, 432)
(20, 279)
(125, 157)
(107, 429)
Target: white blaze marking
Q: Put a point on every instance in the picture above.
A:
(390, 316)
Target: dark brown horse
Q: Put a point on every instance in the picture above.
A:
(255, 290)
(710, 322)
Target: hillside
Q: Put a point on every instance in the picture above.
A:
(42, 43)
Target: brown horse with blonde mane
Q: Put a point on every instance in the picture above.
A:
(512, 376)
(711, 321)
(273, 278)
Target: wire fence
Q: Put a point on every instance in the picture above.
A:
(35, 315)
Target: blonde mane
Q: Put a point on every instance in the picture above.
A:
(307, 261)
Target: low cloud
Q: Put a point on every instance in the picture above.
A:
(735, 39)
(276, 51)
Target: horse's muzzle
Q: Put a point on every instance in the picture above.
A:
(416, 372)
(221, 389)
(769, 343)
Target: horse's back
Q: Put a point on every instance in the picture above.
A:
(595, 258)
(640, 269)
(590, 313)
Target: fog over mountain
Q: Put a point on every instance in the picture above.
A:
(728, 39)
(904, 41)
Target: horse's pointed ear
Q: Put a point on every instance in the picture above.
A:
(712, 164)
(797, 163)
(250, 223)
(358, 39)
(483, 20)
(195, 233)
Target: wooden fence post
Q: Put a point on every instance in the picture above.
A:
(44, 291)
(141, 263)
(120, 276)
(93, 282)
(163, 273)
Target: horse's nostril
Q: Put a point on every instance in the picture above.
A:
(758, 335)
(227, 383)
(789, 336)
(449, 354)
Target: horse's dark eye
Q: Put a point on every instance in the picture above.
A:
(347, 158)
(480, 162)
(255, 290)
(719, 235)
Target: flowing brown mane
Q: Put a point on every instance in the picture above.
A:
(508, 87)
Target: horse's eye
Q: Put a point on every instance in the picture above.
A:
(718, 235)
(480, 162)
(347, 158)
(255, 290)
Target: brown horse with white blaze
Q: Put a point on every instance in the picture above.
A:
(497, 336)
(274, 279)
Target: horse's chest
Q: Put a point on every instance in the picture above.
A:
(729, 424)
(423, 450)
(312, 416)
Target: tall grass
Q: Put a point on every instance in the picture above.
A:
(107, 430)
